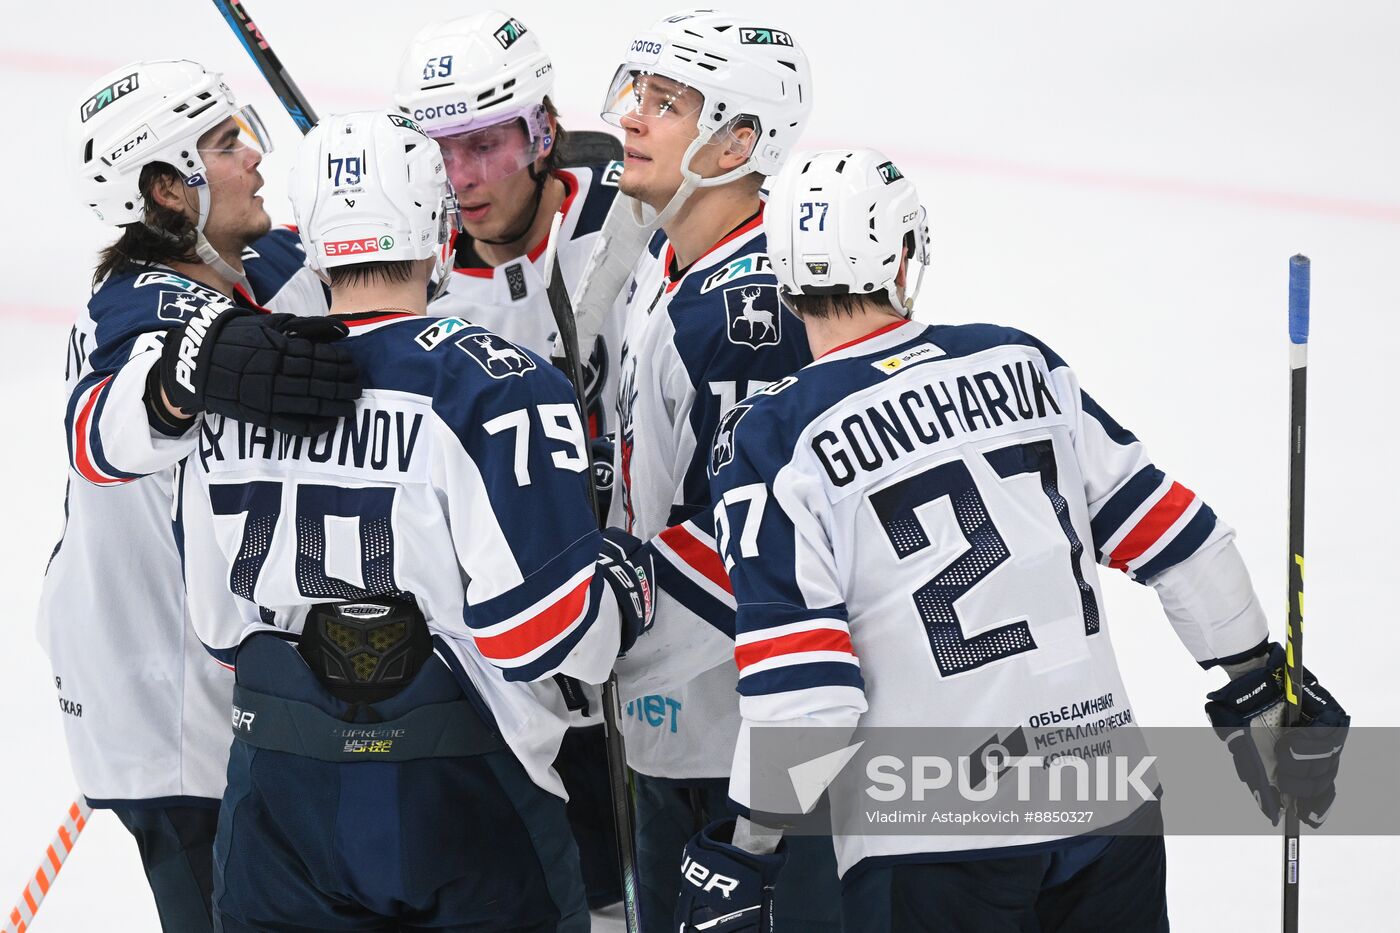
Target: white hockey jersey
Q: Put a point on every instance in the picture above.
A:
(911, 526)
(695, 341)
(461, 479)
(145, 709)
(509, 299)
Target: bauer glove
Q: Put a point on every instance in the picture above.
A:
(725, 889)
(1272, 761)
(629, 567)
(273, 370)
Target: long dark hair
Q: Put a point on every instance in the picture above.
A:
(139, 245)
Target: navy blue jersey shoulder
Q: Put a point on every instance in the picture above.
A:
(140, 300)
(598, 199)
(470, 373)
(776, 419)
(270, 262)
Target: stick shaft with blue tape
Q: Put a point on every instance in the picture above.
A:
(1299, 287)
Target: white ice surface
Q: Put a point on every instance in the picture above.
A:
(1127, 181)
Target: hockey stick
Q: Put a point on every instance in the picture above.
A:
(618, 783)
(63, 841)
(1299, 286)
(247, 32)
(236, 15)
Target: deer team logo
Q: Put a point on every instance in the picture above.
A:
(754, 318)
(499, 358)
(723, 450)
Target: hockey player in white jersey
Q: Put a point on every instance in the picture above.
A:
(710, 105)
(480, 85)
(910, 526)
(396, 594)
(163, 151)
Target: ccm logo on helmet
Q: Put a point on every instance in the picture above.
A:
(706, 880)
(134, 142)
(458, 109)
(369, 244)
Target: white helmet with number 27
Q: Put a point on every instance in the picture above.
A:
(839, 221)
(371, 187)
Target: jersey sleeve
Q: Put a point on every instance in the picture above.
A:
(112, 438)
(1160, 533)
(512, 474)
(797, 664)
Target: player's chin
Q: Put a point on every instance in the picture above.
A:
(260, 225)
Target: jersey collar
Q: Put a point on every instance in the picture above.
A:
(361, 321)
(674, 275)
(882, 338)
(485, 272)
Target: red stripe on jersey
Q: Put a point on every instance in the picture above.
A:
(570, 192)
(1152, 526)
(374, 319)
(821, 639)
(697, 555)
(82, 458)
(874, 333)
(544, 627)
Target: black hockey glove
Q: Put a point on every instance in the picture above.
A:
(274, 370)
(602, 453)
(1272, 761)
(629, 567)
(725, 889)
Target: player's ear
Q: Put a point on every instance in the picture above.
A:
(169, 191)
(739, 141)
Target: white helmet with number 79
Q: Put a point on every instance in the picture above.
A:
(840, 221)
(371, 187)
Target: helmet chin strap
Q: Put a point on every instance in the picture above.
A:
(203, 248)
(690, 180)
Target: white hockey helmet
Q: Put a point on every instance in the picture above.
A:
(839, 221)
(371, 187)
(463, 75)
(740, 69)
(155, 112)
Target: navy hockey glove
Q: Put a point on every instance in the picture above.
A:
(273, 370)
(725, 889)
(602, 453)
(629, 567)
(1272, 761)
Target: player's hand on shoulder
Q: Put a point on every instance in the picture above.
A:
(629, 567)
(275, 370)
(1273, 762)
(723, 888)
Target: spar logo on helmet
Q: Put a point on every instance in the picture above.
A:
(358, 247)
(760, 36)
(510, 31)
(889, 172)
(108, 95)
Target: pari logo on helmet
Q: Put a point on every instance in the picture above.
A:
(846, 222)
(109, 95)
(755, 36)
(403, 208)
(511, 30)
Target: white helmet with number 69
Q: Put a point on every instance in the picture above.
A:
(371, 187)
(839, 221)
